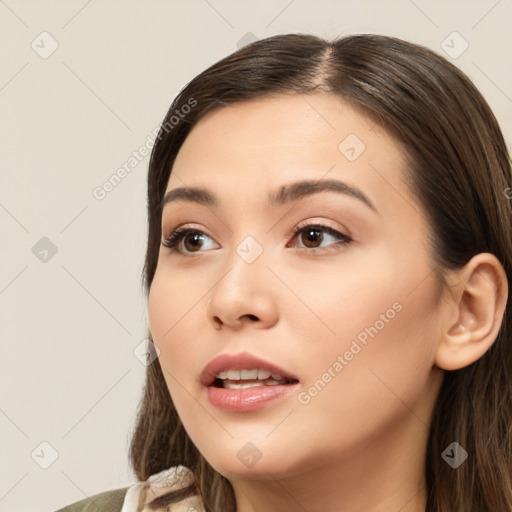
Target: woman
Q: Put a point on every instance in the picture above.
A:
(327, 272)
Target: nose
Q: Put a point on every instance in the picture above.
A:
(243, 297)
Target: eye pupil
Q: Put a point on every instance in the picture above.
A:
(195, 239)
(313, 236)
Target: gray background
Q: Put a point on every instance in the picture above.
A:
(70, 321)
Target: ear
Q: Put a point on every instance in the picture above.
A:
(473, 312)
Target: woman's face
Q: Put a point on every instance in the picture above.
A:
(346, 309)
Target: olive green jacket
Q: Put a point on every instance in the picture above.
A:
(110, 501)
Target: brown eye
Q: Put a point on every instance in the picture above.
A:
(193, 241)
(314, 235)
(187, 240)
(311, 237)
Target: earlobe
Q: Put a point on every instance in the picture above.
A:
(479, 299)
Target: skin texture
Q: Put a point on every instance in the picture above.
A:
(358, 444)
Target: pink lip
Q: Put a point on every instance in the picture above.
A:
(248, 399)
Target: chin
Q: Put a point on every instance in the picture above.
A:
(248, 460)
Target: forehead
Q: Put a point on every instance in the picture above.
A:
(251, 147)
(287, 126)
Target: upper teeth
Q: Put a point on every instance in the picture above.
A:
(248, 374)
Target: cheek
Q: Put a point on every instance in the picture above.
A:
(384, 386)
(333, 303)
(172, 299)
(161, 311)
(378, 365)
(375, 333)
(166, 306)
(174, 308)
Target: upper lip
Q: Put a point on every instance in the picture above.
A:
(240, 361)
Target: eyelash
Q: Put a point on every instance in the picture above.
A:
(175, 236)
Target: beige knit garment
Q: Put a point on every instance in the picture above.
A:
(141, 494)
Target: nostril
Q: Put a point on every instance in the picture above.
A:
(218, 322)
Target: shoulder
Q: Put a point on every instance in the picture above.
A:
(109, 501)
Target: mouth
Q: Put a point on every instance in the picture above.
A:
(242, 383)
(243, 370)
(243, 379)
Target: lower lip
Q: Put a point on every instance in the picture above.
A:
(248, 399)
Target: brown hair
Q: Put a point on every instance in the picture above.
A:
(459, 171)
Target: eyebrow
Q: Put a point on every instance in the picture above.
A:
(285, 194)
